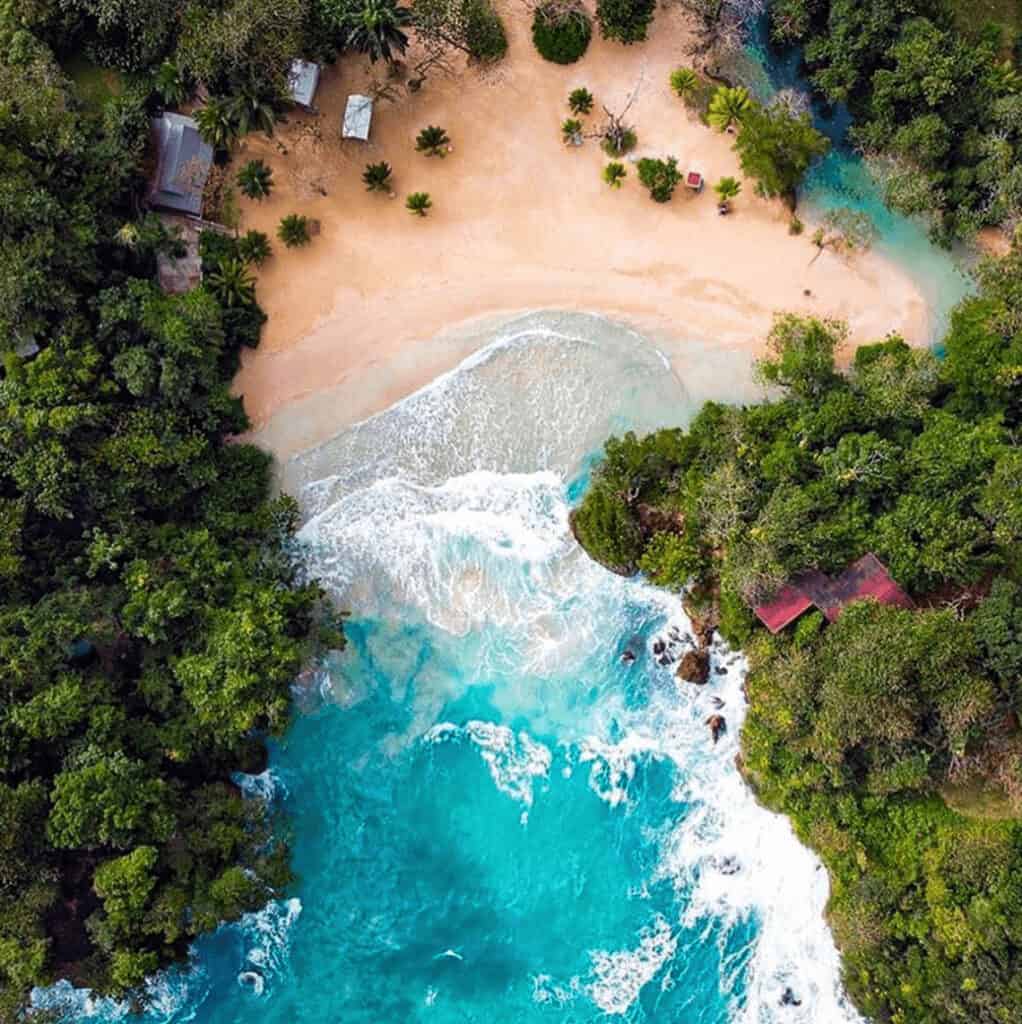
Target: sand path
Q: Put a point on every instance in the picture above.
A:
(358, 319)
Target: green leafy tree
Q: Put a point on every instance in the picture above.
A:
(776, 148)
(801, 354)
(626, 21)
(561, 32)
(661, 177)
(293, 230)
(418, 203)
(255, 179)
(433, 141)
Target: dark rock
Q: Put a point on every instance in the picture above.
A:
(729, 866)
(788, 998)
(721, 670)
(718, 703)
(694, 667)
(628, 657)
(665, 660)
(659, 646)
(717, 726)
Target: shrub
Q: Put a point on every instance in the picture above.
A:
(377, 177)
(484, 31)
(670, 560)
(795, 226)
(661, 177)
(254, 247)
(619, 142)
(625, 20)
(614, 173)
(293, 230)
(433, 141)
(418, 203)
(580, 101)
(561, 36)
(571, 131)
(255, 179)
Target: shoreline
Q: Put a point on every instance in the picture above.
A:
(380, 303)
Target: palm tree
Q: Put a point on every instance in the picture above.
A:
(215, 124)
(255, 179)
(418, 203)
(254, 247)
(614, 173)
(377, 177)
(375, 28)
(684, 82)
(571, 132)
(293, 230)
(173, 86)
(250, 109)
(728, 106)
(432, 141)
(580, 101)
(727, 189)
(232, 283)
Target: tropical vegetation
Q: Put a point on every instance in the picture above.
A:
(561, 31)
(433, 141)
(891, 736)
(154, 609)
(626, 21)
(255, 179)
(293, 230)
(614, 174)
(661, 177)
(580, 101)
(418, 203)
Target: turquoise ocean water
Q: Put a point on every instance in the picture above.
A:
(494, 816)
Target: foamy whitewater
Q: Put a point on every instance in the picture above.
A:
(494, 817)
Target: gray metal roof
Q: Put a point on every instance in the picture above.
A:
(358, 115)
(303, 78)
(183, 161)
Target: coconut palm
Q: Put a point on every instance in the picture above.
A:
(255, 179)
(172, 84)
(432, 140)
(377, 177)
(614, 173)
(293, 230)
(580, 101)
(684, 82)
(727, 189)
(571, 132)
(254, 247)
(418, 203)
(215, 124)
(375, 28)
(231, 283)
(728, 106)
(252, 110)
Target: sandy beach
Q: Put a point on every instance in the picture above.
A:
(381, 302)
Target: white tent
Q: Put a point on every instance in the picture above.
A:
(303, 79)
(358, 115)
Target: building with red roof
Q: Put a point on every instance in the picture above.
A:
(866, 578)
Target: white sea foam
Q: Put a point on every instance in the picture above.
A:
(265, 786)
(515, 760)
(618, 977)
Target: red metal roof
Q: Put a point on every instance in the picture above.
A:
(868, 577)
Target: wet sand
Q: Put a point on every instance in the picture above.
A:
(381, 302)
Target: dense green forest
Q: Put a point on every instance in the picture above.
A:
(936, 97)
(891, 737)
(153, 611)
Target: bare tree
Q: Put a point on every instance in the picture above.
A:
(721, 27)
(616, 135)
